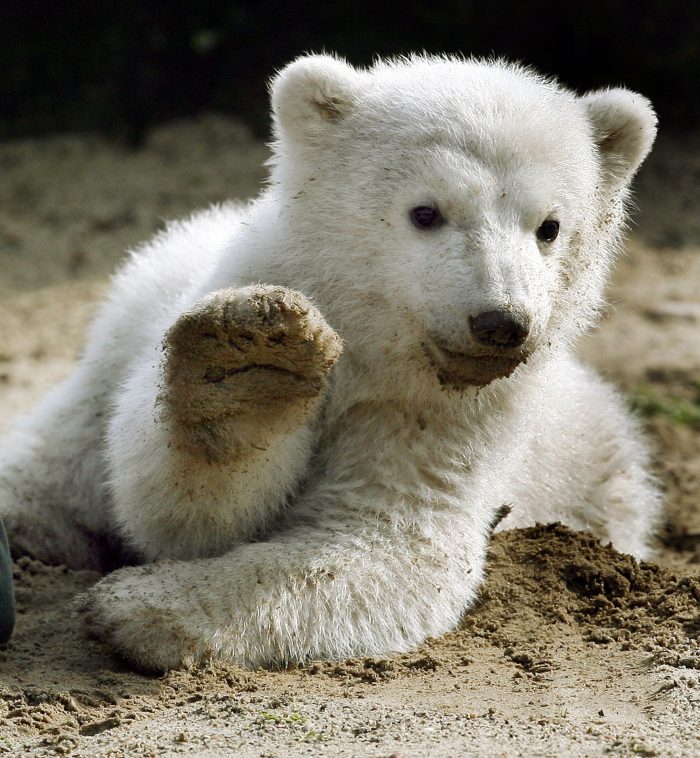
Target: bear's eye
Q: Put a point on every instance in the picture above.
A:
(426, 217)
(548, 231)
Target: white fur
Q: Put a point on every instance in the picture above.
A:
(370, 520)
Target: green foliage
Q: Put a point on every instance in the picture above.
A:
(649, 401)
(281, 718)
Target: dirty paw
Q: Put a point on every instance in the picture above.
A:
(243, 354)
(136, 613)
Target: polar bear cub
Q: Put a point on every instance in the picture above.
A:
(303, 415)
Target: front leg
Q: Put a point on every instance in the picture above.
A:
(329, 593)
(383, 550)
(205, 445)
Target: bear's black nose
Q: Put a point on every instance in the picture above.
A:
(500, 329)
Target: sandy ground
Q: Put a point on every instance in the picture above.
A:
(574, 649)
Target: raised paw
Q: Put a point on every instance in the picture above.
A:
(259, 354)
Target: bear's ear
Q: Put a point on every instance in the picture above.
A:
(624, 127)
(311, 92)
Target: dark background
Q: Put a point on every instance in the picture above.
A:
(119, 67)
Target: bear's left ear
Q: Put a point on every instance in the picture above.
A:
(624, 128)
(311, 93)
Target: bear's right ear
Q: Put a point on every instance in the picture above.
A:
(312, 92)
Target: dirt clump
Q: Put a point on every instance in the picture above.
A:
(556, 576)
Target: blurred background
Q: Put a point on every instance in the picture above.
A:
(120, 66)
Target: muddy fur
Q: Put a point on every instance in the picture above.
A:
(257, 354)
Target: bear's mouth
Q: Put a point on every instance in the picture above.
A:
(462, 369)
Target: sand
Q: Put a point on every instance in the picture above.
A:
(573, 648)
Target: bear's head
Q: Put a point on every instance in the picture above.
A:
(453, 216)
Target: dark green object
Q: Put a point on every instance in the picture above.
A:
(7, 598)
